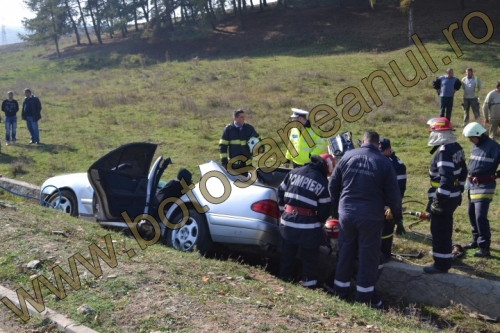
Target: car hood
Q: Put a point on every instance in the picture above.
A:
(71, 180)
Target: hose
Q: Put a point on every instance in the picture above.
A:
(40, 199)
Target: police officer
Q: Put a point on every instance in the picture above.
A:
(299, 140)
(235, 138)
(483, 163)
(447, 173)
(303, 197)
(400, 169)
(362, 184)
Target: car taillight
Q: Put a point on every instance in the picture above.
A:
(268, 207)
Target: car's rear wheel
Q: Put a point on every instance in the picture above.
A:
(67, 204)
(193, 234)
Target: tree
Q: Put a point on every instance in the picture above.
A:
(49, 24)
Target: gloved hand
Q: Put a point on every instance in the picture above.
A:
(400, 228)
(388, 214)
(262, 149)
(437, 206)
(224, 165)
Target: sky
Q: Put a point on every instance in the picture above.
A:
(12, 13)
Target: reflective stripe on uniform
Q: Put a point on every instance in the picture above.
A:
(342, 284)
(301, 225)
(301, 198)
(445, 163)
(388, 236)
(401, 177)
(366, 290)
(441, 255)
(482, 196)
(482, 158)
(309, 283)
(325, 200)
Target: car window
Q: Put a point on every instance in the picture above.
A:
(134, 160)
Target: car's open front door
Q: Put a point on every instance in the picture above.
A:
(120, 181)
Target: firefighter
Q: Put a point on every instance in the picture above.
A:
(447, 173)
(235, 138)
(362, 184)
(482, 171)
(400, 169)
(299, 140)
(303, 197)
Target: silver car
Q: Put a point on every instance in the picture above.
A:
(220, 208)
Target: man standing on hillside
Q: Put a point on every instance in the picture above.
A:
(10, 107)
(471, 85)
(233, 144)
(491, 111)
(31, 112)
(482, 170)
(362, 185)
(300, 143)
(446, 85)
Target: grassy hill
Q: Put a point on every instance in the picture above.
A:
(180, 95)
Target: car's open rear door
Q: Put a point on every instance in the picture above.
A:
(120, 181)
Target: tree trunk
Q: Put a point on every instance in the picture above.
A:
(54, 31)
(73, 23)
(261, 6)
(97, 31)
(410, 23)
(83, 21)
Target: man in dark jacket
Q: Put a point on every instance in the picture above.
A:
(303, 197)
(447, 173)
(235, 152)
(446, 86)
(482, 170)
(31, 112)
(400, 169)
(362, 185)
(10, 107)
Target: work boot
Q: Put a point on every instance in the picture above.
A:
(482, 253)
(433, 270)
(471, 245)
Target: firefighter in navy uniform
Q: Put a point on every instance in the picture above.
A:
(304, 199)
(482, 170)
(447, 173)
(362, 184)
(400, 169)
(234, 142)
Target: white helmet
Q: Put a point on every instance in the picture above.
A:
(473, 129)
(252, 142)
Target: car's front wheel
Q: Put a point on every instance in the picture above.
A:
(193, 234)
(67, 203)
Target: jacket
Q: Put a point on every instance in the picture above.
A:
(32, 108)
(363, 183)
(305, 187)
(234, 142)
(448, 171)
(304, 152)
(400, 170)
(491, 106)
(483, 162)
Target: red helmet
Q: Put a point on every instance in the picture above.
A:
(329, 162)
(331, 229)
(440, 124)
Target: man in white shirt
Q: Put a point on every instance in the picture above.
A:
(471, 85)
(491, 111)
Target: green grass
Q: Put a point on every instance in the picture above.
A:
(95, 101)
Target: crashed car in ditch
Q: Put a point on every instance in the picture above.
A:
(221, 208)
